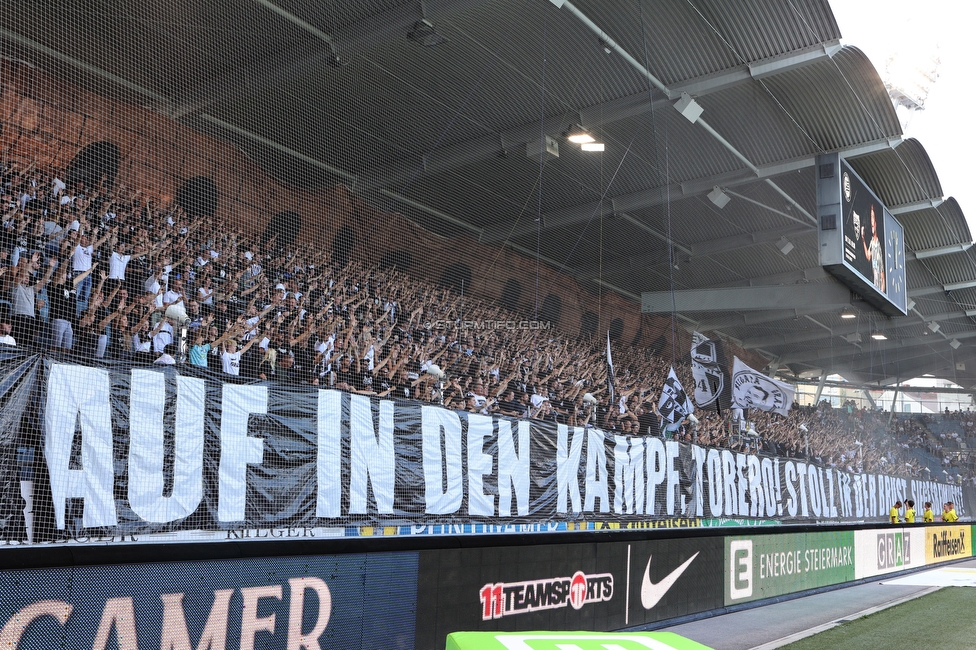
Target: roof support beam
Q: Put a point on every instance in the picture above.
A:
(740, 176)
(744, 298)
(470, 151)
(943, 250)
(488, 146)
(747, 319)
(928, 291)
(912, 356)
(801, 276)
(915, 206)
(748, 240)
(335, 48)
(762, 69)
(958, 286)
(685, 103)
(116, 80)
(658, 196)
(937, 365)
(806, 337)
(711, 247)
(893, 350)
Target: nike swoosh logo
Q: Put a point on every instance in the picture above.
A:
(651, 594)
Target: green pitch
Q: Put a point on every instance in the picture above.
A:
(941, 620)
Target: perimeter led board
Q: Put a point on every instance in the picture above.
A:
(860, 242)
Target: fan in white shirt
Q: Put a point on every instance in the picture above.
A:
(117, 263)
(174, 296)
(230, 358)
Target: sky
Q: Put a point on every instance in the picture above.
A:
(913, 30)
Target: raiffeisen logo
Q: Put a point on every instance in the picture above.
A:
(948, 545)
(508, 598)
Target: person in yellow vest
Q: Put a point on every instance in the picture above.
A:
(952, 511)
(894, 512)
(949, 513)
(927, 515)
(909, 511)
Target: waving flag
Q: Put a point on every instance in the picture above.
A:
(674, 403)
(753, 390)
(709, 371)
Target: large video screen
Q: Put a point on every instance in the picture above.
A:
(864, 219)
(870, 257)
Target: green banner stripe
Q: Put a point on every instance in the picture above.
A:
(570, 641)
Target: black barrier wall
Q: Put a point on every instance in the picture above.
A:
(588, 586)
(112, 451)
(338, 602)
(607, 585)
(312, 595)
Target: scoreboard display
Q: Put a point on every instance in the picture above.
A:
(861, 243)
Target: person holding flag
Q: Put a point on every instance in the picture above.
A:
(675, 405)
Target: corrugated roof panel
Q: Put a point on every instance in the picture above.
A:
(684, 40)
(901, 175)
(935, 227)
(918, 276)
(952, 268)
(769, 135)
(839, 102)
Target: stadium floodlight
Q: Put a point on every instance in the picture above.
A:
(578, 135)
(593, 146)
(879, 336)
(848, 313)
(688, 107)
(719, 197)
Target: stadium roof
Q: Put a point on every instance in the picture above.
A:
(338, 92)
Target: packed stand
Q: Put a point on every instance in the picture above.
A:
(108, 273)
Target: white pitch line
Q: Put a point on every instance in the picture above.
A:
(840, 621)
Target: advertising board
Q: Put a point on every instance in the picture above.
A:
(943, 543)
(296, 602)
(764, 566)
(878, 551)
(595, 586)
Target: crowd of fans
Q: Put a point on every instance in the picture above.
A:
(107, 272)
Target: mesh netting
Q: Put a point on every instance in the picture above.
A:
(270, 271)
